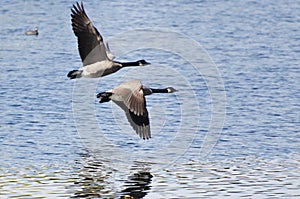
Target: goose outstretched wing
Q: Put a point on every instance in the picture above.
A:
(140, 123)
(132, 95)
(90, 43)
(133, 103)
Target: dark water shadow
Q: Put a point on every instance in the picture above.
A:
(137, 185)
(97, 179)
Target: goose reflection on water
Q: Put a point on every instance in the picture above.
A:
(91, 180)
(97, 180)
(137, 185)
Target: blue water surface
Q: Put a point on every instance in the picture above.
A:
(255, 46)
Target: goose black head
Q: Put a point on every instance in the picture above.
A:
(143, 62)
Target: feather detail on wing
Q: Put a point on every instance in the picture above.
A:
(140, 123)
(90, 43)
(132, 95)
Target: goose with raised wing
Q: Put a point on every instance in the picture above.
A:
(130, 96)
(95, 55)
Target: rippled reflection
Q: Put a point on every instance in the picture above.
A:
(97, 179)
(91, 181)
(137, 185)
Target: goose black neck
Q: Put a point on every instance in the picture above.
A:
(159, 90)
(126, 64)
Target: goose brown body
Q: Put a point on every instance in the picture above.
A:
(130, 96)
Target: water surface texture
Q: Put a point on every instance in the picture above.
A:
(48, 150)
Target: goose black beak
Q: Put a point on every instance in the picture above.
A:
(143, 62)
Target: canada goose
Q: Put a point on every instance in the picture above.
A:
(130, 96)
(32, 32)
(95, 55)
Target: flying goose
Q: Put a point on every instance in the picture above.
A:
(95, 55)
(130, 96)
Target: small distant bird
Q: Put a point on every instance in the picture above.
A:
(95, 55)
(130, 96)
(32, 32)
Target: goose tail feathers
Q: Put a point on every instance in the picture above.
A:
(104, 97)
(74, 74)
